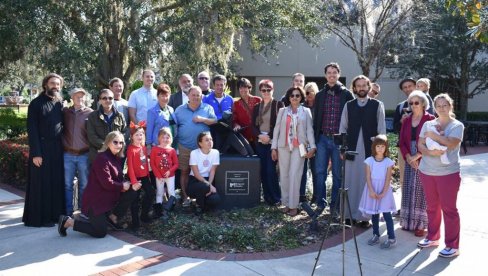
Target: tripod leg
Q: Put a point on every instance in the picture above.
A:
(320, 248)
(346, 199)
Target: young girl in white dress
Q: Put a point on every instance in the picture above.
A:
(377, 195)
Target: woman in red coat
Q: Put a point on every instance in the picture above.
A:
(413, 213)
(107, 197)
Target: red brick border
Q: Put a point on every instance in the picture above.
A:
(171, 252)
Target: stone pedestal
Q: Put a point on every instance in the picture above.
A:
(238, 181)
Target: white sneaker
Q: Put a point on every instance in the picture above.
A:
(427, 243)
(186, 202)
(449, 252)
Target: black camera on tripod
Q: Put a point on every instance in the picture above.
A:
(340, 140)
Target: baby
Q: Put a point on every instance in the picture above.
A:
(433, 145)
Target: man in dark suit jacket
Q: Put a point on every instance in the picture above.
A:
(185, 82)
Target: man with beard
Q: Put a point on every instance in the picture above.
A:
(44, 198)
(181, 97)
(362, 119)
(329, 103)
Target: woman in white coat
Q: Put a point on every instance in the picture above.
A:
(293, 141)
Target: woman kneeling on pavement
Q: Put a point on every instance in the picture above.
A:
(107, 197)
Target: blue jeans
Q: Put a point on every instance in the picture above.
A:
(74, 165)
(269, 177)
(303, 184)
(327, 150)
(375, 219)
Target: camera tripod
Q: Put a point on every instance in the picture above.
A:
(344, 199)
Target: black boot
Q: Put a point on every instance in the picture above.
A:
(158, 210)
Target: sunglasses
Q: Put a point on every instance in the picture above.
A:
(308, 93)
(265, 90)
(203, 78)
(295, 96)
(118, 143)
(414, 103)
(107, 98)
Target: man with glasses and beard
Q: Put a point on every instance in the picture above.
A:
(44, 198)
(362, 119)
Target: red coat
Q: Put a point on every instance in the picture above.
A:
(104, 184)
(243, 116)
(137, 163)
(405, 133)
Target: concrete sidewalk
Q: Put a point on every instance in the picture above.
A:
(40, 251)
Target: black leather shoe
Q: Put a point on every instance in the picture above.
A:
(114, 226)
(61, 229)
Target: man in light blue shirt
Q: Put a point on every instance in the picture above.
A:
(142, 99)
(191, 119)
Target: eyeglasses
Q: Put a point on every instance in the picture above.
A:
(116, 143)
(295, 96)
(107, 98)
(266, 90)
(414, 103)
(203, 78)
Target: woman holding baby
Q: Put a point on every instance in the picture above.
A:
(413, 215)
(441, 180)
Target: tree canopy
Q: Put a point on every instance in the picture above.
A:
(90, 42)
(476, 14)
(437, 47)
(368, 28)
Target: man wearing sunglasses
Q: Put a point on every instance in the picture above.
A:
(204, 83)
(103, 121)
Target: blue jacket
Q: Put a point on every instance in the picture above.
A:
(156, 119)
(219, 108)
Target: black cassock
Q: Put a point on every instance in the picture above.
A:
(44, 199)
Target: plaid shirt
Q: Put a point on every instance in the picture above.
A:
(332, 112)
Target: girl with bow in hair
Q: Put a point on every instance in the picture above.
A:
(138, 172)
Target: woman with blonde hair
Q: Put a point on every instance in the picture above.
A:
(107, 197)
(441, 181)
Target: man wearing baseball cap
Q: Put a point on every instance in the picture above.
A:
(75, 145)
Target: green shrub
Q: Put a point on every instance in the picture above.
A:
(12, 124)
(14, 158)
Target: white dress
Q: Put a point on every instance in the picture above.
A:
(370, 206)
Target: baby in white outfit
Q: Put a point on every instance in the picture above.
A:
(433, 145)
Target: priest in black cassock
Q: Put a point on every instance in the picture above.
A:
(44, 198)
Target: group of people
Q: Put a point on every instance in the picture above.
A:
(293, 134)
